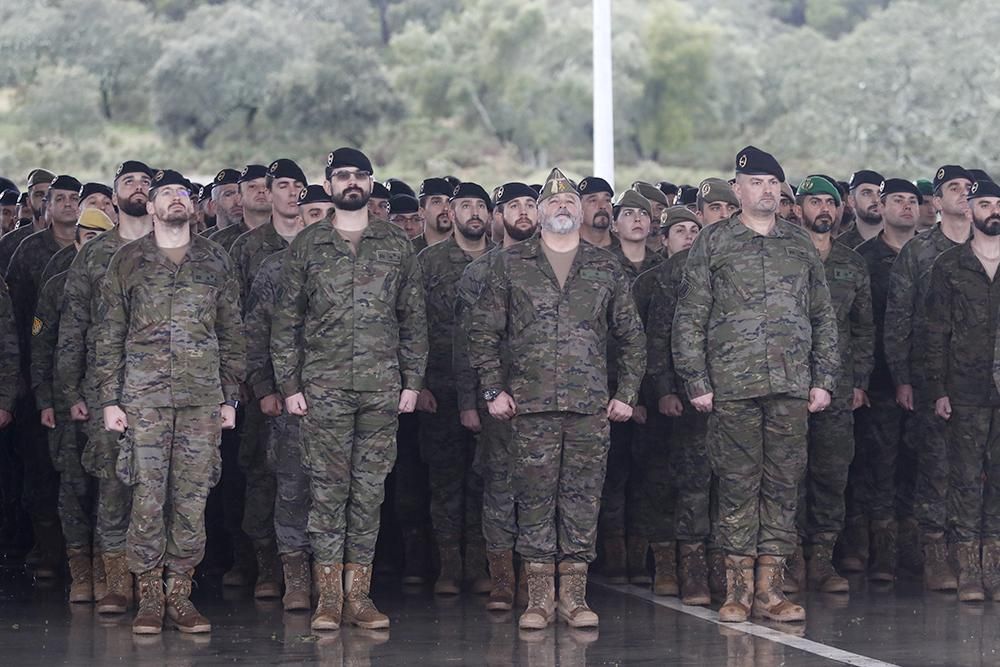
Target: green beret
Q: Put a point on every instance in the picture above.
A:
(632, 199)
(650, 192)
(926, 187)
(817, 185)
(712, 190)
(676, 214)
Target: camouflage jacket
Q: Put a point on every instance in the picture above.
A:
(663, 284)
(754, 316)
(251, 249)
(879, 258)
(361, 319)
(558, 337)
(259, 314)
(650, 261)
(44, 334)
(9, 243)
(57, 264)
(171, 335)
(962, 314)
(851, 237)
(467, 295)
(904, 312)
(850, 291)
(631, 271)
(9, 352)
(228, 235)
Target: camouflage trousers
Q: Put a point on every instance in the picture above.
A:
(693, 472)
(973, 437)
(559, 461)
(929, 440)
(412, 494)
(40, 486)
(652, 485)
(171, 459)
(291, 502)
(76, 488)
(872, 476)
(347, 451)
(114, 498)
(499, 509)
(261, 486)
(456, 488)
(614, 494)
(757, 448)
(821, 494)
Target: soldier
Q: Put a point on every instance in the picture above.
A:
(99, 196)
(864, 200)
(76, 488)
(556, 301)
(255, 205)
(169, 362)
(456, 488)
(226, 203)
(24, 215)
(670, 190)
(597, 195)
(831, 440)
(928, 214)
(435, 193)
(404, 212)
(31, 211)
(963, 300)
(8, 210)
(207, 207)
(349, 347)
(378, 203)
(658, 203)
(679, 229)
(904, 321)
(739, 273)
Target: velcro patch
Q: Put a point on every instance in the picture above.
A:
(843, 274)
(388, 256)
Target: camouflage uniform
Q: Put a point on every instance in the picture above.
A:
(904, 331)
(9, 243)
(169, 352)
(851, 237)
(755, 327)
(363, 332)
(962, 309)
(228, 235)
(558, 378)
(58, 263)
(9, 363)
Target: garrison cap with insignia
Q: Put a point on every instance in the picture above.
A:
(712, 190)
(133, 167)
(379, 191)
(94, 188)
(94, 220)
(865, 177)
(688, 195)
(285, 168)
(227, 177)
(668, 188)
(38, 176)
(980, 175)
(515, 190)
(313, 194)
(891, 186)
(436, 187)
(755, 162)
(165, 177)
(651, 192)
(252, 172)
(632, 199)
(950, 172)
(348, 157)
(675, 214)
(984, 189)
(556, 184)
(787, 192)
(472, 191)
(403, 203)
(926, 187)
(64, 182)
(206, 192)
(818, 185)
(9, 197)
(397, 186)
(594, 184)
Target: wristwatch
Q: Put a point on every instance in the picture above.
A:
(235, 405)
(490, 394)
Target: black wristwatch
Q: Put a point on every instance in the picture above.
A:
(235, 405)
(490, 394)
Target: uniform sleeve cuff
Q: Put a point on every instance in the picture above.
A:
(697, 388)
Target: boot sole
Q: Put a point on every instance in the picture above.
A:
(111, 609)
(534, 625)
(882, 576)
(972, 597)
(579, 624)
(733, 618)
(697, 601)
(499, 606)
(145, 630)
(296, 606)
(325, 626)
(195, 629)
(788, 618)
(81, 599)
(370, 625)
(844, 587)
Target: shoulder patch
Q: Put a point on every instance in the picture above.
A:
(36, 326)
(684, 289)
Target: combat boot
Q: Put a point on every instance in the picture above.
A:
(739, 589)
(970, 572)
(883, 551)
(49, 541)
(329, 580)
(268, 584)
(638, 573)
(717, 573)
(938, 574)
(821, 573)
(911, 558)
(241, 572)
(149, 617)
(181, 612)
(541, 596)
(795, 572)
(991, 568)
(81, 588)
(116, 600)
(693, 572)
(99, 576)
(854, 545)
(665, 568)
(615, 567)
(502, 575)
(522, 585)
(450, 573)
(769, 600)
(297, 581)
(475, 573)
(573, 596)
(414, 556)
(359, 609)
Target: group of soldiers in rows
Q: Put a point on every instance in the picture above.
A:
(682, 371)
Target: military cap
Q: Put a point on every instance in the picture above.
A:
(93, 188)
(712, 190)
(511, 191)
(650, 192)
(398, 186)
(22, 198)
(818, 185)
(632, 199)
(555, 184)
(379, 191)
(688, 195)
(594, 184)
(314, 194)
(675, 214)
(64, 182)
(164, 177)
(453, 181)
(206, 192)
(7, 184)
(472, 191)
(227, 177)
(668, 188)
(285, 168)
(348, 157)
(755, 162)
(440, 187)
(984, 189)
(865, 177)
(980, 175)
(38, 176)
(786, 190)
(537, 187)
(892, 186)
(843, 186)
(9, 197)
(926, 187)
(133, 167)
(403, 203)
(252, 172)
(950, 172)
(95, 220)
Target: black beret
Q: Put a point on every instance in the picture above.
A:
(668, 188)
(454, 181)
(892, 186)
(431, 187)
(9, 197)
(984, 188)
(348, 157)
(688, 196)
(537, 187)
(7, 184)
(206, 192)
(314, 194)
(594, 184)
(22, 198)
(168, 177)
(865, 177)
(227, 177)
(752, 160)
(980, 175)
(843, 186)
(64, 182)
(399, 187)
(379, 191)
(285, 168)
(403, 203)
(93, 188)
(472, 191)
(510, 191)
(950, 172)
(133, 167)
(252, 172)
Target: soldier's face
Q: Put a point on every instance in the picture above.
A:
(900, 210)
(312, 213)
(102, 203)
(435, 211)
(7, 218)
(379, 208)
(471, 215)
(819, 213)
(411, 223)
(656, 210)
(632, 224)
(758, 193)
(36, 197)
(986, 215)
(712, 212)
(349, 188)
(131, 193)
(597, 210)
(172, 205)
(63, 206)
(255, 196)
(786, 209)
(866, 203)
(520, 218)
(227, 203)
(680, 237)
(561, 213)
(928, 214)
(24, 212)
(85, 235)
(285, 197)
(951, 199)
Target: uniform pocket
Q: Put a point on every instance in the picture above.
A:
(125, 464)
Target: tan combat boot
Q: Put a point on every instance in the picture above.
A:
(991, 568)
(615, 567)
(970, 572)
(149, 618)
(502, 574)
(475, 572)
(638, 573)
(665, 568)
(541, 596)
(99, 576)
(573, 596)
(717, 573)
(116, 600)
(938, 574)
(81, 570)
(693, 570)
(883, 551)
(795, 572)
(181, 612)
(854, 545)
(329, 581)
(821, 573)
(769, 601)
(268, 584)
(298, 583)
(450, 573)
(359, 609)
(739, 589)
